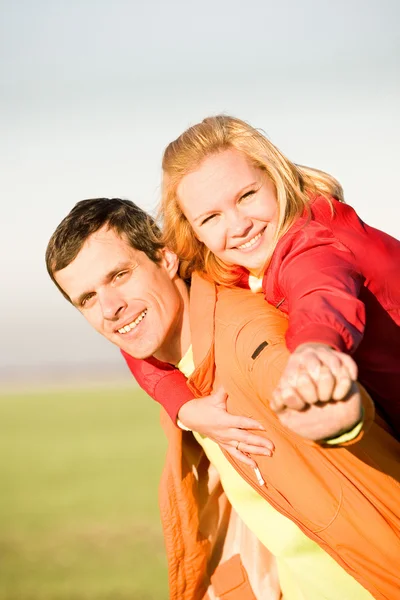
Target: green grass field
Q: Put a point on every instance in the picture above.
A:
(79, 473)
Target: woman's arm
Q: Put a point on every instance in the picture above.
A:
(162, 382)
(316, 278)
(208, 416)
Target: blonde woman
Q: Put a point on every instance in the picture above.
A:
(236, 210)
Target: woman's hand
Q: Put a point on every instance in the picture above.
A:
(314, 373)
(209, 417)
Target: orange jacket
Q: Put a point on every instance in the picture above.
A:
(346, 499)
(211, 553)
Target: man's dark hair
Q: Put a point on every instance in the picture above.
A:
(88, 216)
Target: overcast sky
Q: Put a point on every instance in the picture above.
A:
(92, 91)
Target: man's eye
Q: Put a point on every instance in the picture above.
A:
(120, 275)
(86, 299)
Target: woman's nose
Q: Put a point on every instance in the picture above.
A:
(239, 225)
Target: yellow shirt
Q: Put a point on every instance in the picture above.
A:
(306, 572)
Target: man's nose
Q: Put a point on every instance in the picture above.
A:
(112, 305)
(239, 224)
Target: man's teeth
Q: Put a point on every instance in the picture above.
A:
(252, 241)
(134, 323)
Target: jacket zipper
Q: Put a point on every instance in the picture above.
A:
(260, 479)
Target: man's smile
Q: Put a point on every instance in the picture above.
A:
(129, 326)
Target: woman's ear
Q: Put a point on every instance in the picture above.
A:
(170, 262)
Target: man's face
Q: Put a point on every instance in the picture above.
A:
(123, 294)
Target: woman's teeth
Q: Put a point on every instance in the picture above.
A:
(252, 241)
(134, 323)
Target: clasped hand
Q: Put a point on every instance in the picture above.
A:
(320, 381)
(317, 398)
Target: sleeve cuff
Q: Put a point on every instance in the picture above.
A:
(322, 334)
(176, 399)
(182, 426)
(362, 427)
(348, 436)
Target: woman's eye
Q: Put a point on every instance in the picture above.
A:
(247, 195)
(207, 219)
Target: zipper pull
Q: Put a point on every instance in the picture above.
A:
(259, 476)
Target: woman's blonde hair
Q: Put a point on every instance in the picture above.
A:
(294, 185)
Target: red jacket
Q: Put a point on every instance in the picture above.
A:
(339, 281)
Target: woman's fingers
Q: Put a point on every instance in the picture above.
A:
(242, 450)
(343, 385)
(241, 438)
(286, 396)
(250, 442)
(314, 373)
(244, 422)
(350, 365)
(251, 449)
(247, 460)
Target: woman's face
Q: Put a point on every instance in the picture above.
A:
(232, 208)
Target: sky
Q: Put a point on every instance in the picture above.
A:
(92, 92)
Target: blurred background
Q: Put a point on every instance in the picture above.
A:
(90, 95)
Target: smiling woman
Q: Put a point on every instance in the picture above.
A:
(211, 170)
(232, 208)
(235, 207)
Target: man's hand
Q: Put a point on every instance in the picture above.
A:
(209, 417)
(314, 373)
(324, 420)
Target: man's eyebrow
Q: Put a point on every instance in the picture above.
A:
(122, 266)
(242, 191)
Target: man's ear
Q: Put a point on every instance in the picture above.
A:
(170, 262)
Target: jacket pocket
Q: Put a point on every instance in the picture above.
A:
(300, 480)
(230, 581)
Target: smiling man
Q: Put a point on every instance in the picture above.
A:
(301, 513)
(141, 290)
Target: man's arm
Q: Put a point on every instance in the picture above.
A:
(262, 342)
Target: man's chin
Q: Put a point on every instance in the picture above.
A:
(135, 354)
(139, 346)
(140, 353)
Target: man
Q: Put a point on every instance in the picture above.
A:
(107, 259)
